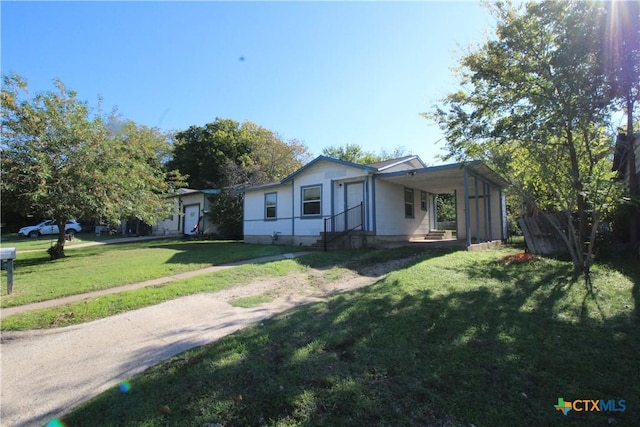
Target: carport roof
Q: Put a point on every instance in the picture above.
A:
(445, 178)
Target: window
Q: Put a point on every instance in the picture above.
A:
(423, 200)
(311, 197)
(270, 205)
(408, 203)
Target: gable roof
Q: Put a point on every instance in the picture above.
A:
(318, 159)
(373, 167)
(386, 164)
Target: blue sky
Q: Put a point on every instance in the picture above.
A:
(324, 73)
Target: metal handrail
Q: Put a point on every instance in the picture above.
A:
(344, 222)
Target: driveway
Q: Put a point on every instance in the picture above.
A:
(46, 373)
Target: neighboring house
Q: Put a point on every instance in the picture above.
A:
(622, 158)
(192, 205)
(389, 201)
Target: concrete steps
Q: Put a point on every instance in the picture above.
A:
(439, 235)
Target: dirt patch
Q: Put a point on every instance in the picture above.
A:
(313, 284)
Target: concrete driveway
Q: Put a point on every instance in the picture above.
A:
(46, 373)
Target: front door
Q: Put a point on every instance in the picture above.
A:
(191, 215)
(354, 196)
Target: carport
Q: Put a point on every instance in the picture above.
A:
(481, 214)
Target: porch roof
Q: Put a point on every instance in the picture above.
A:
(445, 178)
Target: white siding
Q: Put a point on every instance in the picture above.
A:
(257, 229)
(174, 224)
(329, 175)
(390, 216)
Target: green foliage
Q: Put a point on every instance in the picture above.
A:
(62, 161)
(351, 153)
(354, 153)
(534, 104)
(226, 213)
(446, 207)
(226, 153)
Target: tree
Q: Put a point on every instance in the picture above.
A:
(203, 153)
(351, 153)
(354, 153)
(60, 161)
(621, 28)
(228, 156)
(534, 103)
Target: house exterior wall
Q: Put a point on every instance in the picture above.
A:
(293, 227)
(173, 225)
(259, 229)
(383, 200)
(332, 178)
(390, 220)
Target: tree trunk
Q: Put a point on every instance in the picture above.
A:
(57, 251)
(582, 232)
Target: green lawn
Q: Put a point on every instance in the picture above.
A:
(109, 305)
(44, 242)
(37, 278)
(457, 338)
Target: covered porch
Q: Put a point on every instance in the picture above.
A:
(478, 191)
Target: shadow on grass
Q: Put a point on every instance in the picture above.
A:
(499, 350)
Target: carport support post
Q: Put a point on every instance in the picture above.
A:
(477, 205)
(485, 195)
(467, 220)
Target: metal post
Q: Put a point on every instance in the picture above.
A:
(324, 238)
(477, 205)
(7, 255)
(489, 211)
(9, 276)
(486, 211)
(467, 219)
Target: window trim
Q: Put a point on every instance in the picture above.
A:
(424, 197)
(302, 201)
(266, 206)
(409, 203)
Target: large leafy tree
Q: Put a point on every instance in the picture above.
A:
(228, 155)
(61, 161)
(354, 153)
(534, 101)
(225, 152)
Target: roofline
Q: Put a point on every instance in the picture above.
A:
(329, 159)
(262, 186)
(500, 182)
(427, 169)
(403, 160)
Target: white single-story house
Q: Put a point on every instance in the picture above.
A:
(390, 201)
(192, 206)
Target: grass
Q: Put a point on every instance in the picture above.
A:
(37, 278)
(454, 339)
(109, 305)
(44, 242)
